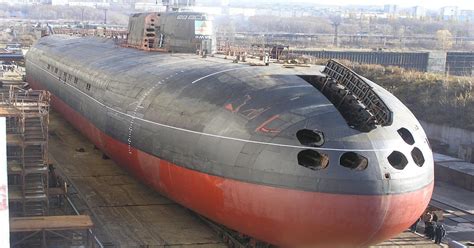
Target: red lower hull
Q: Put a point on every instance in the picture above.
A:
(276, 215)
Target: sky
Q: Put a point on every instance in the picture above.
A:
(429, 4)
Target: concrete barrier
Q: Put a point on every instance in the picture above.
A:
(454, 171)
(454, 137)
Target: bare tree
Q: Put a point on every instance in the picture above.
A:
(445, 39)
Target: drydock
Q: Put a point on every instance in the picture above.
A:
(126, 213)
(154, 146)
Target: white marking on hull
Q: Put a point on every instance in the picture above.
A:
(212, 74)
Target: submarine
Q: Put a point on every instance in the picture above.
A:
(313, 156)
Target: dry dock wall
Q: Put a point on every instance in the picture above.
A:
(454, 171)
(449, 169)
(456, 138)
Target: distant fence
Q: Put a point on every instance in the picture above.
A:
(460, 63)
(456, 63)
(409, 60)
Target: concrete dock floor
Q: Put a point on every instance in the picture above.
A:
(407, 240)
(458, 206)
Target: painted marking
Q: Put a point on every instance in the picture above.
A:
(253, 113)
(298, 86)
(210, 134)
(229, 107)
(264, 129)
(3, 198)
(215, 73)
(247, 98)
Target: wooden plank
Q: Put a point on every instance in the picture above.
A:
(63, 222)
(8, 111)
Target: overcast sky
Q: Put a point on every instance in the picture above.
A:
(430, 4)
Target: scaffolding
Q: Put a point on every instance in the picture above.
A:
(27, 119)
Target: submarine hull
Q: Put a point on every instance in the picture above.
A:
(281, 214)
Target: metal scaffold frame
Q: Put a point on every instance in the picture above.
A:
(31, 225)
(27, 114)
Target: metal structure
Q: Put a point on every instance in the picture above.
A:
(176, 5)
(409, 60)
(145, 32)
(31, 222)
(109, 33)
(360, 40)
(457, 63)
(171, 32)
(355, 88)
(460, 63)
(27, 113)
(11, 57)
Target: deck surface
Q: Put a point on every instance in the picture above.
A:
(8, 111)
